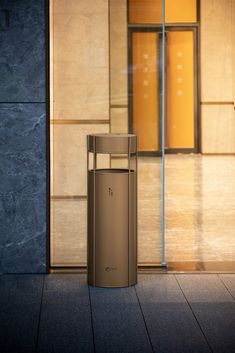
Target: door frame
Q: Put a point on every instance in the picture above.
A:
(194, 27)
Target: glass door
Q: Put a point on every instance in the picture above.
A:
(146, 119)
(89, 92)
(181, 120)
(200, 202)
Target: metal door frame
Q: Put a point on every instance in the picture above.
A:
(156, 29)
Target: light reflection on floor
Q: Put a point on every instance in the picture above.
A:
(200, 208)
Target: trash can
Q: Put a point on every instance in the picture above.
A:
(112, 213)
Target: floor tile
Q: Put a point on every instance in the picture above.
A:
(20, 299)
(66, 318)
(118, 322)
(203, 288)
(217, 321)
(229, 282)
(214, 309)
(170, 322)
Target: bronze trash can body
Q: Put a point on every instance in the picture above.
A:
(112, 225)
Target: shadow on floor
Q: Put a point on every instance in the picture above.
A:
(163, 313)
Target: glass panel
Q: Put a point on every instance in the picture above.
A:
(150, 11)
(181, 11)
(79, 106)
(91, 69)
(145, 94)
(145, 61)
(180, 89)
(145, 11)
(200, 185)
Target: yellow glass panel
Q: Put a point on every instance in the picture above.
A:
(181, 11)
(145, 11)
(180, 90)
(145, 89)
(150, 11)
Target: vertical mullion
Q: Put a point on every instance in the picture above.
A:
(163, 134)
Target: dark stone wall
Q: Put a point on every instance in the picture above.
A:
(23, 136)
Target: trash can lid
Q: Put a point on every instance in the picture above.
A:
(112, 143)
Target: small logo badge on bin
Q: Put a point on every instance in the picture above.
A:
(110, 192)
(108, 269)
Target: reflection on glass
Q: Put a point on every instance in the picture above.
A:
(109, 79)
(80, 106)
(200, 186)
(91, 75)
(145, 79)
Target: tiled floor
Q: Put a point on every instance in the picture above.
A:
(164, 313)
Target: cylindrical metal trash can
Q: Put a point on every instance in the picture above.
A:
(112, 214)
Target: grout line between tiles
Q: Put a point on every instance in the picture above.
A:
(199, 325)
(221, 280)
(145, 324)
(40, 314)
(92, 321)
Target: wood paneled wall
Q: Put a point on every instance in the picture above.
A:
(81, 59)
(118, 66)
(80, 105)
(218, 76)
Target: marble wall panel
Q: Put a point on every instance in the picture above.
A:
(119, 120)
(69, 233)
(118, 52)
(69, 159)
(22, 149)
(218, 129)
(23, 188)
(23, 234)
(22, 47)
(80, 59)
(217, 43)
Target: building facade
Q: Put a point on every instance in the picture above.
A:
(71, 68)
